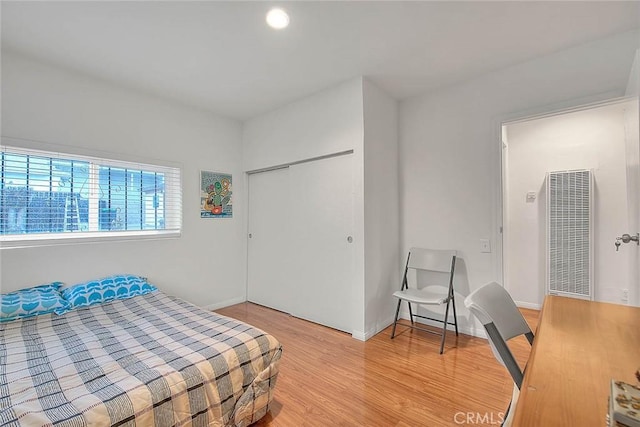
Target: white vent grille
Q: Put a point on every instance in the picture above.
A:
(569, 224)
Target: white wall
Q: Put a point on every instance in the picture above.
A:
(450, 152)
(327, 122)
(206, 265)
(633, 84)
(590, 139)
(381, 208)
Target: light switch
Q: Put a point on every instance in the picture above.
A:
(531, 196)
(485, 245)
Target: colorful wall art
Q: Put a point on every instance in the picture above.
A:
(215, 195)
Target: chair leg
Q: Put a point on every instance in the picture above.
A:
(410, 312)
(507, 419)
(395, 321)
(444, 326)
(455, 315)
(506, 423)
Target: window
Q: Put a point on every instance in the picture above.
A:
(47, 195)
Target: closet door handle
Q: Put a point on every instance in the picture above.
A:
(349, 239)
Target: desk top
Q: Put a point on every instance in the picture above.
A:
(578, 348)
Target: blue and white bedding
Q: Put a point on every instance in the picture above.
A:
(147, 360)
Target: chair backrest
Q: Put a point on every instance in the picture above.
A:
(495, 309)
(493, 304)
(432, 260)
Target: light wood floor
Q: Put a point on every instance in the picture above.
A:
(328, 378)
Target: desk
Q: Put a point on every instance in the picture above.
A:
(579, 347)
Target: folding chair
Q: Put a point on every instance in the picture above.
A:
(494, 308)
(437, 261)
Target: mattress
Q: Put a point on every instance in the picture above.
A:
(148, 360)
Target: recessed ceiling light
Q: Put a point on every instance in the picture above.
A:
(277, 18)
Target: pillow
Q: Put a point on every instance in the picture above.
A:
(53, 286)
(32, 302)
(106, 289)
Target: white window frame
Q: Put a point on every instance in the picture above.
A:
(173, 196)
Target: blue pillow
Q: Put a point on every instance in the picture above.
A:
(32, 302)
(106, 289)
(53, 286)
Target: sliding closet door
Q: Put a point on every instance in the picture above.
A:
(321, 262)
(269, 273)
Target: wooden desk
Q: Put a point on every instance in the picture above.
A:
(579, 347)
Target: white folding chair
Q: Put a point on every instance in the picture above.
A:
(437, 261)
(495, 309)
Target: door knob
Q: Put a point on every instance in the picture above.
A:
(626, 238)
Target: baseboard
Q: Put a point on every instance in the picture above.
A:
(528, 305)
(226, 303)
(359, 335)
(471, 330)
(363, 336)
(382, 326)
(478, 332)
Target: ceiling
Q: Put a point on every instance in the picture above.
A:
(221, 56)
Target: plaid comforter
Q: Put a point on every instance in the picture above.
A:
(148, 360)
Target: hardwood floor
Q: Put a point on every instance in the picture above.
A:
(328, 378)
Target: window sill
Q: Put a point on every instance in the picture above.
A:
(39, 240)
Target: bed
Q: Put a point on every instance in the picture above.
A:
(148, 360)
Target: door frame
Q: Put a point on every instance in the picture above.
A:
(500, 227)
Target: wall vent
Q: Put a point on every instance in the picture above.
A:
(569, 233)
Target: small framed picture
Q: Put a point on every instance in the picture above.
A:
(216, 195)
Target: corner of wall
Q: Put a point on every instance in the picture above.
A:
(633, 85)
(381, 205)
(373, 331)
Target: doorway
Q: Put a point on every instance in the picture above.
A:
(598, 138)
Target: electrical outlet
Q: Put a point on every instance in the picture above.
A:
(625, 295)
(485, 245)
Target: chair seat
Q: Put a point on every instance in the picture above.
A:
(420, 296)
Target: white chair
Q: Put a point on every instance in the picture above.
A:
(495, 309)
(437, 261)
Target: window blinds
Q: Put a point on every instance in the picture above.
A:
(47, 194)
